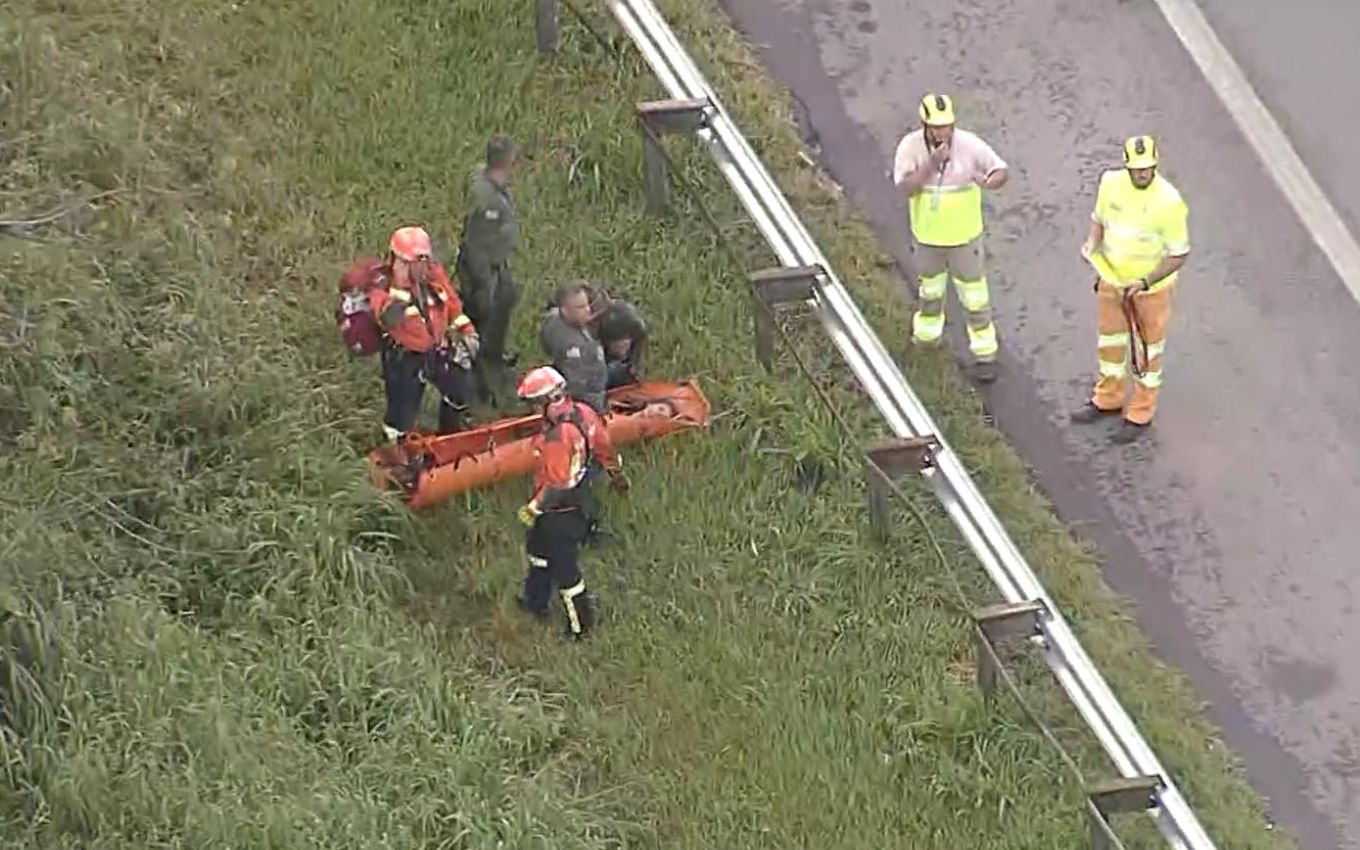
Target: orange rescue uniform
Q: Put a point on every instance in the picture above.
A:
(561, 510)
(564, 452)
(398, 313)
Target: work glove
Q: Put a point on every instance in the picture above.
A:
(463, 349)
(618, 482)
(527, 515)
(469, 342)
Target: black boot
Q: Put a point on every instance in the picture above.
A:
(1089, 413)
(1128, 432)
(596, 535)
(984, 372)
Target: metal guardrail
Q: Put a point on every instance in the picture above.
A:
(908, 418)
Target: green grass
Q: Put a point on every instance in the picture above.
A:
(224, 638)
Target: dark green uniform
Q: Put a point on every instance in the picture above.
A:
(488, 290)
(578, 355)
(622, 320)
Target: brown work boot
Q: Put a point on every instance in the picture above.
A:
(1089, 413)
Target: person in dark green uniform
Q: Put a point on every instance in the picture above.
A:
(623, 332)
(617, 327)
(487, 287)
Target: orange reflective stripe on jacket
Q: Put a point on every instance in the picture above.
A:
(407, 327)
(564, 452)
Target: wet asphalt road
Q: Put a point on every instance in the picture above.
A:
(1301, 58)
(1235, 526)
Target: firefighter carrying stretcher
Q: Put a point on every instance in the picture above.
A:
(562, 508)
(426, 336)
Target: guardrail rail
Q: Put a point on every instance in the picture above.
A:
(1144, 784)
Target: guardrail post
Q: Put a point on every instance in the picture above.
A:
(994, 624)
(895, 458)
(657, 118)
(769, 289)
(974, 517)
(1119, 796)
(545, 25)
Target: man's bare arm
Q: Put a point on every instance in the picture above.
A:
(1094, 236)
(913, 182)
(996, 178)
(1167, 267)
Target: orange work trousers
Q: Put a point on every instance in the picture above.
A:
(1153, 310)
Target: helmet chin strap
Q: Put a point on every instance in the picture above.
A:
(931, 144)
(552, 404)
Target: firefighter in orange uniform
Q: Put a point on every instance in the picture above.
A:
(562, 508)
(426, 337)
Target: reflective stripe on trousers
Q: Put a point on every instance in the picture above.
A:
(935, 265)
(1114, 336)
(569, 594)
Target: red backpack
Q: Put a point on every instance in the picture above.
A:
(358, 326)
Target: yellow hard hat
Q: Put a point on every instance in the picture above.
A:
(1140, 152)
(937, 110)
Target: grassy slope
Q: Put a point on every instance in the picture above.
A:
(256, 651)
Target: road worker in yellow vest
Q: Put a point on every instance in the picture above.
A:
(1138, 241)
(942, 170)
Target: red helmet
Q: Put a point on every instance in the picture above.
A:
(412, 244)
(542, 383)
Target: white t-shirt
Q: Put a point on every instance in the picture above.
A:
(970, 158)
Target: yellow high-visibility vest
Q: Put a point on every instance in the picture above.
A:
(947, 215)
(1142, 226)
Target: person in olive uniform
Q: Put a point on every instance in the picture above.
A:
(620, 328)
(488, 289)
(623, 333)
(571, 344)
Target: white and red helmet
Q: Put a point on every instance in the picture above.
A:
(411, 244)
(543, 383)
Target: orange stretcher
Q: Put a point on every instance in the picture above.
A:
(430, 468)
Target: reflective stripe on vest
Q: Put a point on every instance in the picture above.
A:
(947, 215)
(573, 497)
(580, 464)
(1133, 242)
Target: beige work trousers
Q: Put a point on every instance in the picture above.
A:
(935, 265)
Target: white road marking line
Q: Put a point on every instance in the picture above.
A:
(1319, 217)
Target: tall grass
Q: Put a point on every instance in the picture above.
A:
(220, 636)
